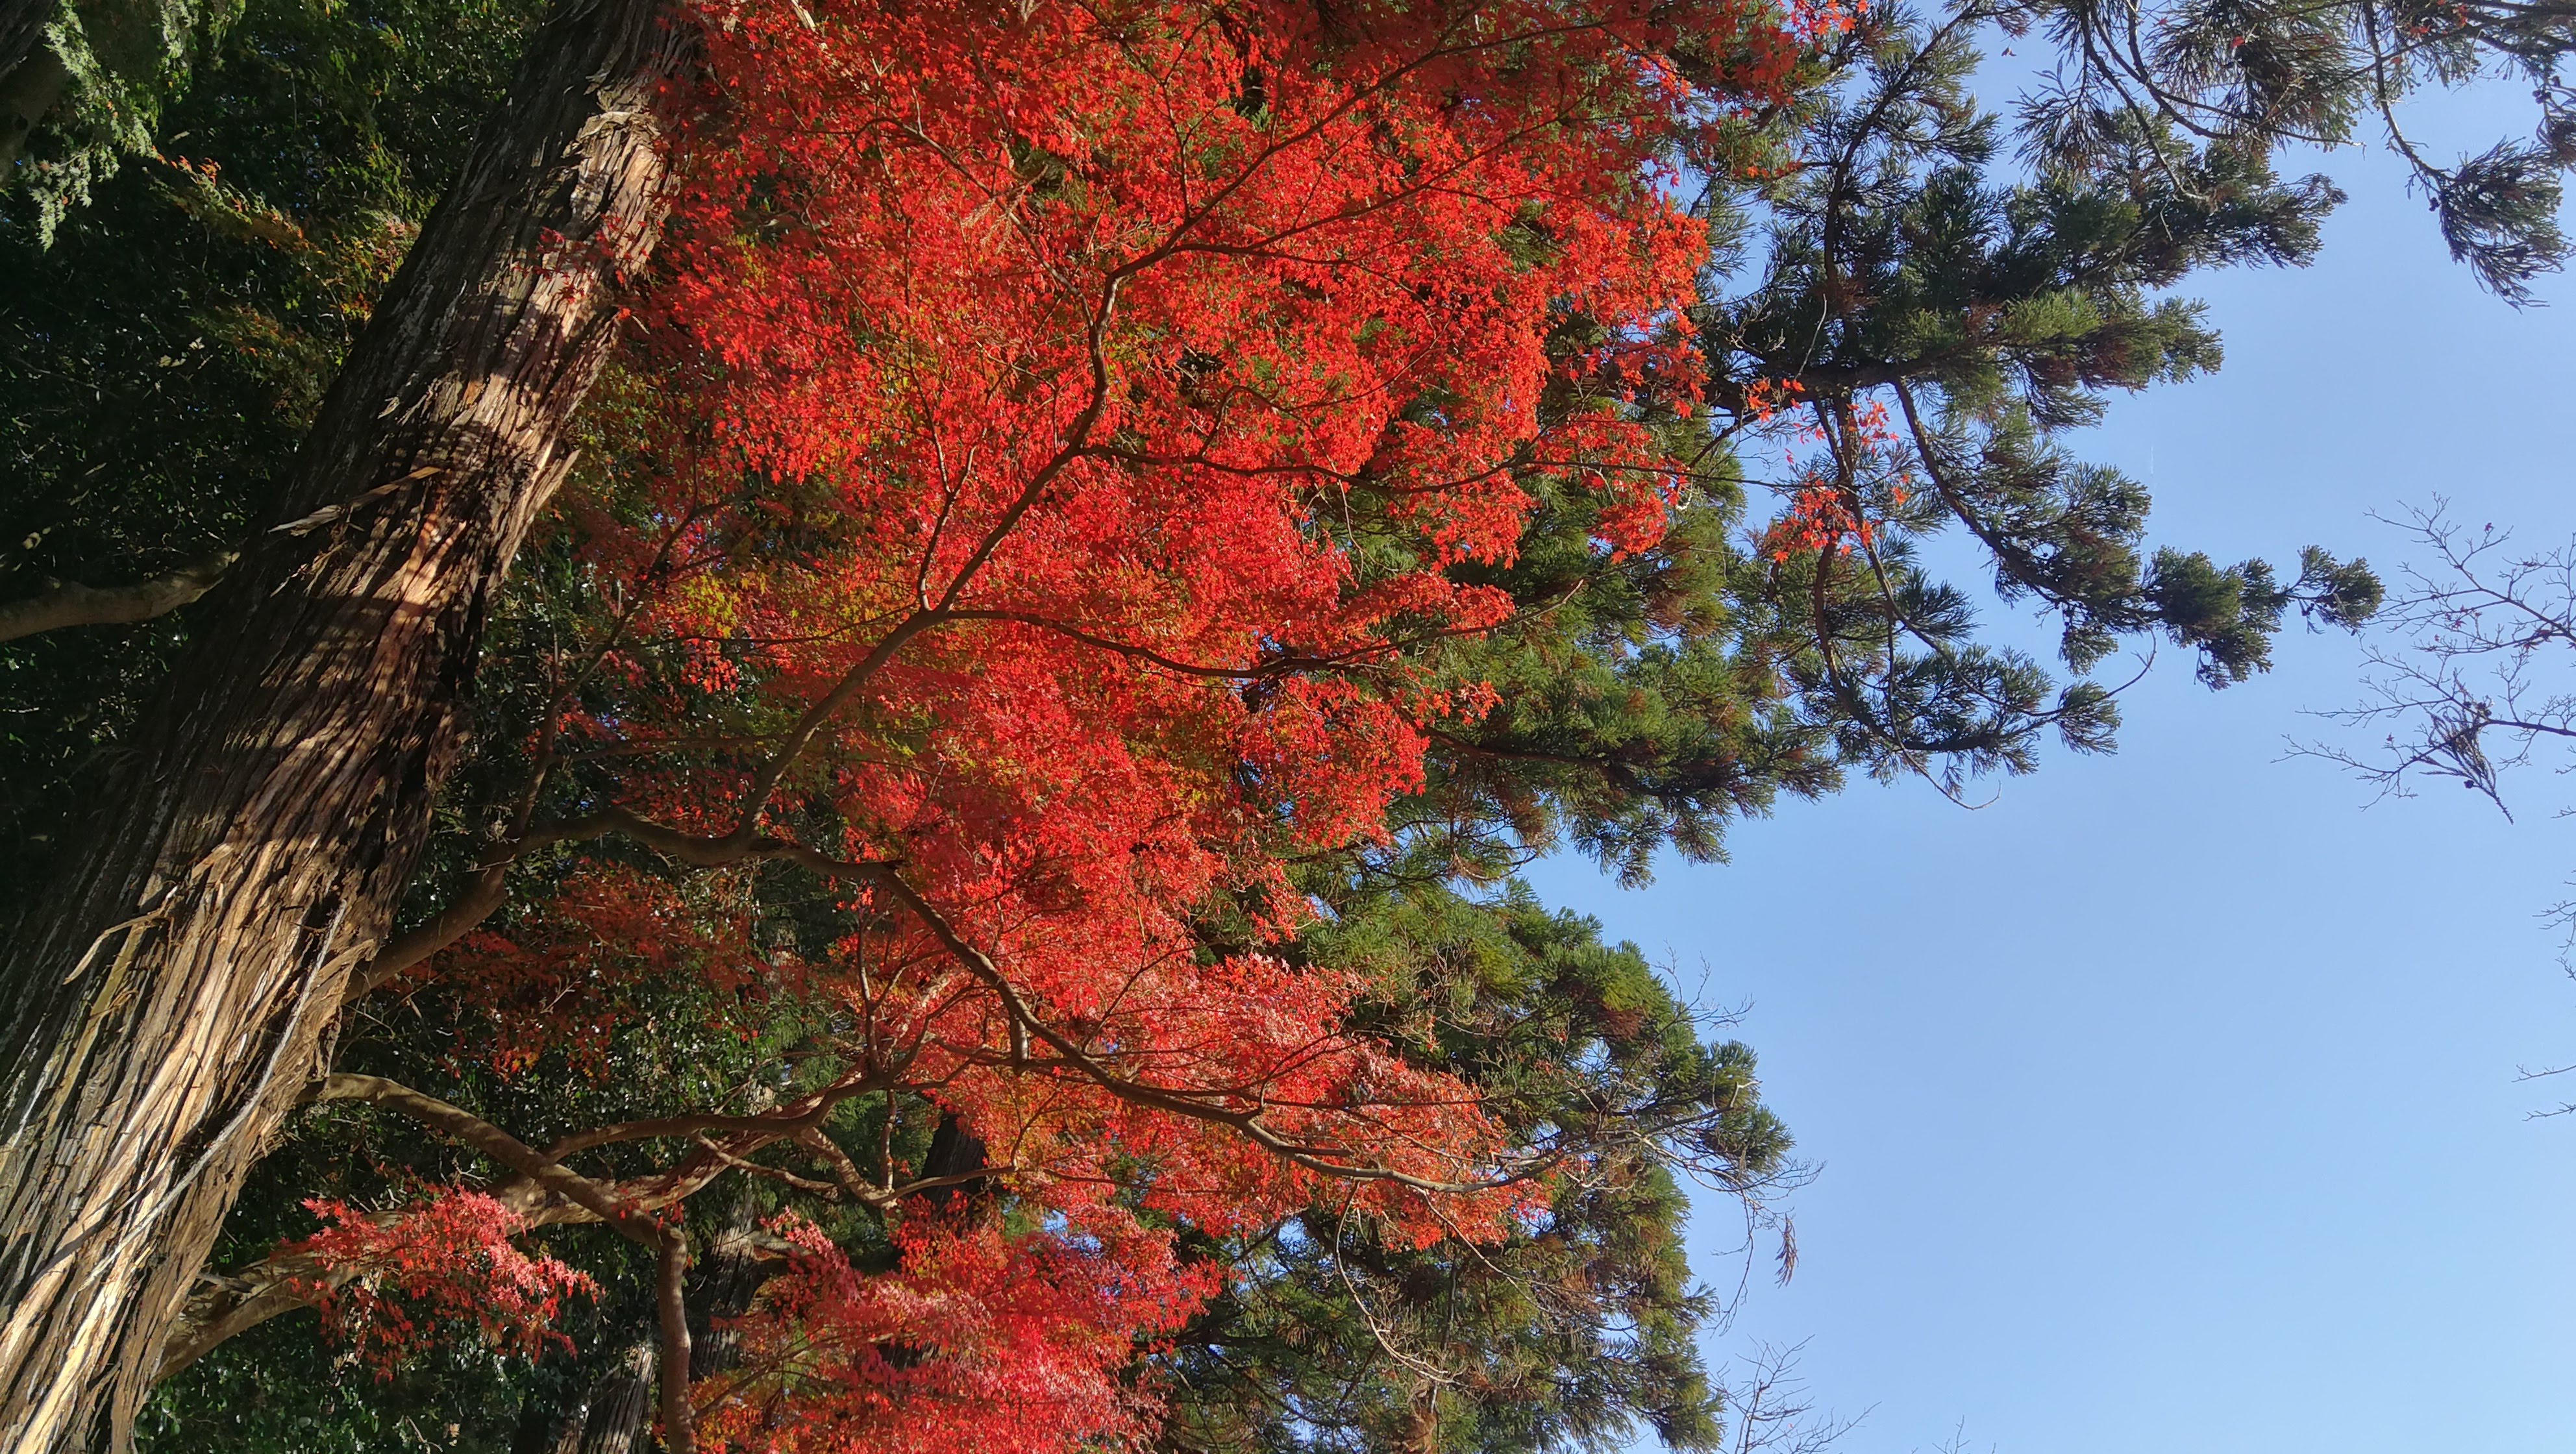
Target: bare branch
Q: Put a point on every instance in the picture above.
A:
(64, 604)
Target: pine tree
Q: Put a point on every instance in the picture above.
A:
(1919, 337)
(2199, 88)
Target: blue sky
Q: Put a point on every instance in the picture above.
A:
(2171, 1101)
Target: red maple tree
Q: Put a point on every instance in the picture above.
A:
(974, 539)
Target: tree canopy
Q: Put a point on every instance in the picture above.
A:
(962, 890)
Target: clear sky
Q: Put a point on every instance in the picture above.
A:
(2170, 1101)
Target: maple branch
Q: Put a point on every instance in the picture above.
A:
(274, 1287)
(1144, 459)
(64, 603)
(759, 1129)
(545, 1193)
(669, 1242)
(717, 852)
(1281, 665)
(463, 1126)
(779, 1174)
(671, 1302)
(1246, 1123)
(484, 893)
(647, 747)
(853, 1182)
(847, 1171)
(810, 725)
(1287, 662)
(487, 892)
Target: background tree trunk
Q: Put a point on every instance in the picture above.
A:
(615, 1416)
(170, 996)
(31, 77)
(618, 1416)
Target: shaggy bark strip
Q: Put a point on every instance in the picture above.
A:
(171, 996)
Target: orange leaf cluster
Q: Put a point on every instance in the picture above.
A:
(448, 1260)
(976, 1341)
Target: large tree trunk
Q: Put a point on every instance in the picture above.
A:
(171, 995)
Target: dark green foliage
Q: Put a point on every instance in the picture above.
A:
(96, 87)
(279, 1389)
(1638, 702)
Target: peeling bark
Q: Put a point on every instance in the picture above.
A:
(618, 1418)
(169, 998)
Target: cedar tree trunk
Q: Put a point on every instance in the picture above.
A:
(169, 997)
